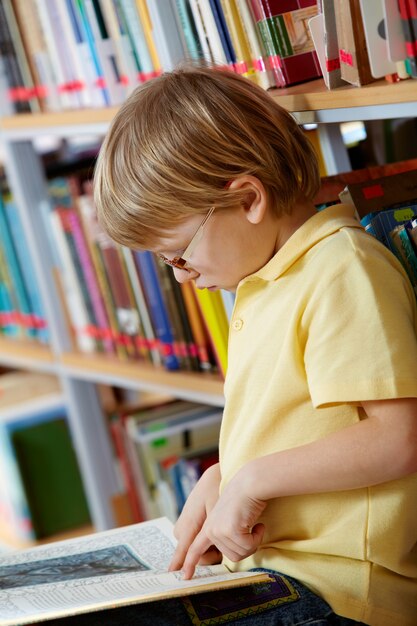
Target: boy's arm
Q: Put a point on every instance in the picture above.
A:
(378, 449)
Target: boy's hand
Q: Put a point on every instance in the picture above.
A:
(199, 503)
(231, 527)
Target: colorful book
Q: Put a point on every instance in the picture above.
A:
(23, 304)
(405, 251)
(16, 89)
(284, 31)
(259, 56)
(146, 265)
(38, 320)
(25, 399)
(169, 40)
(215, 318)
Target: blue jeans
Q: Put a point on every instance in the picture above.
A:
(283, 602)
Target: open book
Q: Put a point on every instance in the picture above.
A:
(104, 570)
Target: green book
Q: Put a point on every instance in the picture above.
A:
(51, 477)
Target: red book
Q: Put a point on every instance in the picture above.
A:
(283, 28)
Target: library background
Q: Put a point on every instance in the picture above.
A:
(112, 373)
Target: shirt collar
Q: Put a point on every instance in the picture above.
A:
(318, 227)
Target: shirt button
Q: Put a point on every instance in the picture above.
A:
(237, 324)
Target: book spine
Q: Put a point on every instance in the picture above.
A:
(189, 30)
(71, 288)
(223, 31)
(8, 313)
(127, 316)
(258, 54)
(215, 319)
(201, 30)
(162, 326)
(141, 305)
(168, 40)
(31, 94)
(92, 232)
(145, 19)
(24, 309)
(39, 321)
(201, 339)
(91, 281)
(16, 93)
(138, 40)
(213, 36)
(119, 435)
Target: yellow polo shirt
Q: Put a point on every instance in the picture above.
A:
(329, 322)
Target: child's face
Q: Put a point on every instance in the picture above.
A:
(229, 247)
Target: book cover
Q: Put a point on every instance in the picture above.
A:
(353, 53)
(50, 475)
(102, 571)
(331, 45)
(26, 398)
(384, 192)
(258, 53)
(287, 39)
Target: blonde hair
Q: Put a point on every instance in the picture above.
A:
(179, 139)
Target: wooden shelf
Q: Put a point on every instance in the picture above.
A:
(309, 97)
(195, 386)
(314, 96)
(26, 354)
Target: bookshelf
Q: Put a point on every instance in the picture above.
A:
(79, 373)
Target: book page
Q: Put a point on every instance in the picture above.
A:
(108, 569)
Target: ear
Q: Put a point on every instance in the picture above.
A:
(254, 195)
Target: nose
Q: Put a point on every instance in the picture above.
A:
(184, 276)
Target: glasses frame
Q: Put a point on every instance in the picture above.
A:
(180, 261)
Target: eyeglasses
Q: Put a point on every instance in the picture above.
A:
(180, 262)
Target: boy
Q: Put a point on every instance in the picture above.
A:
(318, 448)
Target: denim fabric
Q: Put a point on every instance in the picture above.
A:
(306, 608)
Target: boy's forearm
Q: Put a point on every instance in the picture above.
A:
(362, 455)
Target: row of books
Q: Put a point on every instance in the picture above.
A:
(60, 54)
(358, 41)
(162, 448)
(41, 491)
(388, 210)
(21, 308)
(125, 302)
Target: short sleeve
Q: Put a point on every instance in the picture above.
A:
(359, 329)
